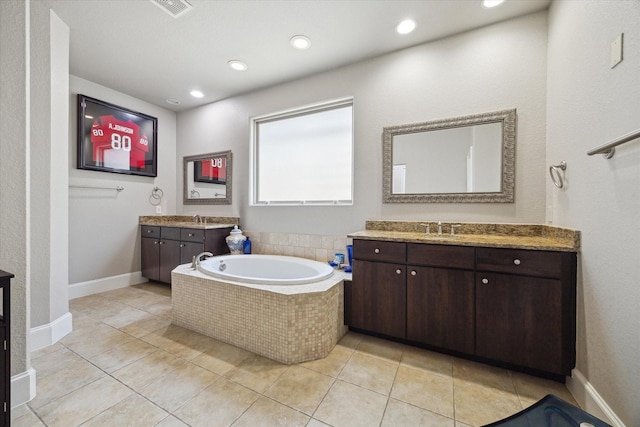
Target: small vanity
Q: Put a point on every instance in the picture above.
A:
(498, 293)
(169, 241)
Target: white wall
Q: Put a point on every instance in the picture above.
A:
(589, 104)
(498, 67)
(103, 224)
(49, 165)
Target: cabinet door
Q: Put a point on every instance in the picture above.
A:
(440, 308)
(378, 298)
(169, 258)
(519, 321)
(215, 242)
(150, 260)
(188, 250)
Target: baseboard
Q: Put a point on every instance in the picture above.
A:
(49, 334)
(23, 387)
(590, 400)
(82, 289)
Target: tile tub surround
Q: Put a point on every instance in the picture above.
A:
(514, 236)
(317, 247)
(187, 221)
(288, 324)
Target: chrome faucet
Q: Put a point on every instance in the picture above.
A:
(426, 225)
(196, 259)
(439, 227)
(197, 219)
(454, 227)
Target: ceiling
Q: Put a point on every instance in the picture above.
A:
(137, 48)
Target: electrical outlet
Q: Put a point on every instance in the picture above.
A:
(616, 51)
(158, 209)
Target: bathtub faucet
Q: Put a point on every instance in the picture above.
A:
(196, 259)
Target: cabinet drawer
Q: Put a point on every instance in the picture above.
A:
(150, 231)
(525, 262)
(441, 256)
(170, 233)
(192, 235)
(375, 250)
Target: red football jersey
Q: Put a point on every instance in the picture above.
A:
(121, 137)
(214, 169)
(137, 157)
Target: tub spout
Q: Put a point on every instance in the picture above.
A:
(196, 259)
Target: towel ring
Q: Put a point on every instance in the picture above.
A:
(556, 176)
(156, 196)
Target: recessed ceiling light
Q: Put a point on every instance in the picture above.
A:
(488, 4)
(300, 42)
(406, 26)
(237, 65)
(173, 101)
(196, 94)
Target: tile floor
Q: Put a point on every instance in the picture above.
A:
(124, 364)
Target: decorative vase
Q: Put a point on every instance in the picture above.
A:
(235, 241)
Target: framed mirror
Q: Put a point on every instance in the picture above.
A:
(468, 159)
(207, 178)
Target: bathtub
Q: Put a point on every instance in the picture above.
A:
(285, 308)
(266, 269)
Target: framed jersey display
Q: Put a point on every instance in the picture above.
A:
(212, 171)
(115, 139)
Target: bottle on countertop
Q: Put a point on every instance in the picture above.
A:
(247, 246)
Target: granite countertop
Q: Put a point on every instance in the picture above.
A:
(513, 236)
(183, 221)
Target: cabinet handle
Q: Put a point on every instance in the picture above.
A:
(516, 261)
(149, 231)
(398, 271)
(155, 242)
(376, 250)
(485, 281)
(162, 243)
(191, 234)
(413, 272)
(182, 245)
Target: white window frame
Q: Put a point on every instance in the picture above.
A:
(286, 114)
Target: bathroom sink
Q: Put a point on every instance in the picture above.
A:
(444, 236)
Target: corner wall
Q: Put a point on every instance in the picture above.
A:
(589, 104)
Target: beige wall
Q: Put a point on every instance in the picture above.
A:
(589, 104)
(494, 68)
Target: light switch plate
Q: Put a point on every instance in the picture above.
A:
(616, 51)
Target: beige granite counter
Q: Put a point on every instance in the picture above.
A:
(514, 236)
(185, 221)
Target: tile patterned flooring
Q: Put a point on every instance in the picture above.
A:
(125, 364)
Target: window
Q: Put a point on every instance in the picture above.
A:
(303, 156)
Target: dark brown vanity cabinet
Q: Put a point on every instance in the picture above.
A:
(5, 351)
(164, 248)
(525, 308)
(377, 296)
(515, 307)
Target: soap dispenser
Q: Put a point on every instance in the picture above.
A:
(235, 241)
